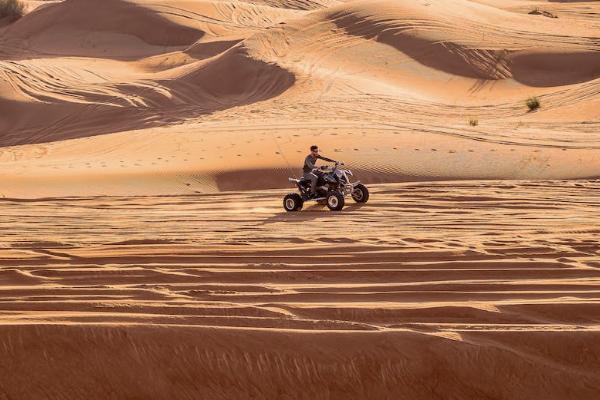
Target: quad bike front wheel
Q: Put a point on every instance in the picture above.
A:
(335, 201)
(360, 193)
(293, 202)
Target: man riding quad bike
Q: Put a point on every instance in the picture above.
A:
(325, 185)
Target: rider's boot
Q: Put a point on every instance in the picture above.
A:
(308, 195)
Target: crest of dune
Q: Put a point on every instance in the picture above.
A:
(407, 74)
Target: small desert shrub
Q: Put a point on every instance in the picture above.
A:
(12, 8)
(533, 103)
(473, 122)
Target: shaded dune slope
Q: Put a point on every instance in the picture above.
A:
(83, 103)
(472, 45)
(444, 38)
(141, 361)
(458, 38)
(92, 29)
(420, 70)
(95, 109)
(234, 78)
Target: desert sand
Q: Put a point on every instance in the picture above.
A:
(145, 147)
(431, 290)
(167, 97)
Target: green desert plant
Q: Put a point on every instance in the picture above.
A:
(533, 103)
(473, 122)
(12, 9)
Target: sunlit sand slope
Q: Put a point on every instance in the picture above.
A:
(85, 84)
(446, 290)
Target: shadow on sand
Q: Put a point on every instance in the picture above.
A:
(312, 212)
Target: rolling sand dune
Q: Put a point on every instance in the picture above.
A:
(445, 290)
(222, 89)
(139, 259)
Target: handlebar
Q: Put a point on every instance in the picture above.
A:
(325, 167)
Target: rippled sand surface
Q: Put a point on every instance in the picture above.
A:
(430, 290)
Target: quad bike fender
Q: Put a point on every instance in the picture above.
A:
(297, 182)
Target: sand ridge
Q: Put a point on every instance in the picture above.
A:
(435, 279)
(144, 148)
(78, 85)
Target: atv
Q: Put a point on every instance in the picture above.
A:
(333, 185)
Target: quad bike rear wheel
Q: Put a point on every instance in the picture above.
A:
(360, 193)
(335, 201)
(293, 202)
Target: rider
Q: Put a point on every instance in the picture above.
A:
(309, 165)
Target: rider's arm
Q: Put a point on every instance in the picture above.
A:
(309, 163)
(325, 158)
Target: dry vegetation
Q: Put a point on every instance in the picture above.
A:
(533, 103)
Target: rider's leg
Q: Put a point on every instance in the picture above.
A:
(313, 181)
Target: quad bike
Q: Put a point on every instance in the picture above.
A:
(333, 186)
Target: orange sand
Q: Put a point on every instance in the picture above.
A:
(139, 260)
(443, 290)
(173, 96)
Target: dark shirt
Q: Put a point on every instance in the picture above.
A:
(310, 160)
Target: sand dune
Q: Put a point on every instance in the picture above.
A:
(446, 290)
(135, 134)
(80, 88)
